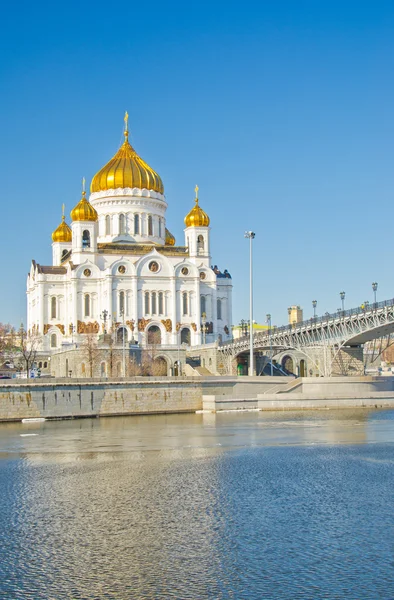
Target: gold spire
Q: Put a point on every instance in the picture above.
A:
(83, 211)
(62, 233)
(126, 170)
(196, 217)
(126, 124)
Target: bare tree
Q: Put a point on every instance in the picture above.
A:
(7, 341)
(90, 351)
(152, 364)
(27, 344)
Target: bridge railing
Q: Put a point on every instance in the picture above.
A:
(339, 314)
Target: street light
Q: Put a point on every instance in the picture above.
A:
(314, 304)
(375, 289)
(204, 327)
(250, 235)
(104, 316)
(269, 331)
(342, 295)
(121, 312)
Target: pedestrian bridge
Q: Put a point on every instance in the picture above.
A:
(347, 328)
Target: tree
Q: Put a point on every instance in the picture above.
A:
(7, 341)
(27, 344)
(90, 351)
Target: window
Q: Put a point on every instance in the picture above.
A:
(121, 303)
(185, 336)
(200, 243)
(87, 305)
(53, 307)
(64, 252)
(185, 303)
(122, 224)
(219, 309)
(203, 304)
(161, 303)
(86, 239)
(154, 335)
(150, 225)
(107, 225)
(103, 369)
(159, 227)
(147, 303)
(83, 369)
(121, 334)
(136, 224)
(53, 340)
(45, 364)
(40, 365)
(153, 303)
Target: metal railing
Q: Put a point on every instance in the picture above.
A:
(313, 321)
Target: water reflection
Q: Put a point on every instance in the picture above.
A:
(254, 505)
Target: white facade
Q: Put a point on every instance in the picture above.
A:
(122, 274)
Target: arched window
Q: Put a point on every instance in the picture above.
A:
(86, 239)
(45, 364)
(150, 225)
(200, 243)
(53, 340)
(154, 335)
(107, 225)
(103, 369)
(153, 303)
(161, 303)
(203, 305)
(147, 303)
(185, 303)
(122, 224)
(185, 336)
(64, 252)
(219, 308)
(159, 227)
(87, 305)
(120, 334)
(53, 307)
(40, 365)
(136, 224)
(121, 303)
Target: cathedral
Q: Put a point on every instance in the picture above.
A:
(117, 270)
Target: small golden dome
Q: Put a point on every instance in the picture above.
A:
(170, 240)
(84, 211)
(197, 217)
(126, 170)
(62, 233)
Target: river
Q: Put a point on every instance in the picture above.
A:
(234, 505)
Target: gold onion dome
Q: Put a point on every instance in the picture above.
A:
(197, 217)
(170, 240)
(62, 233)
(126, 170)
(83, 211)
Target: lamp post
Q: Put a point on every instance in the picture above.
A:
(375, 289)
(72, 329)
(204, 328)
(269, 332)
(314, 304)
(121, 312)
(342, 295)
(104, 316)
(250, 235)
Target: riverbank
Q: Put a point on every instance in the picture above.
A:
(73, 398)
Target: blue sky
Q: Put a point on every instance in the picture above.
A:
(282, 112)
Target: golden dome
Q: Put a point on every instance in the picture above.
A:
(170, 240)
(197, 217)
(83, 211)
(62, 233)
(126, 170)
